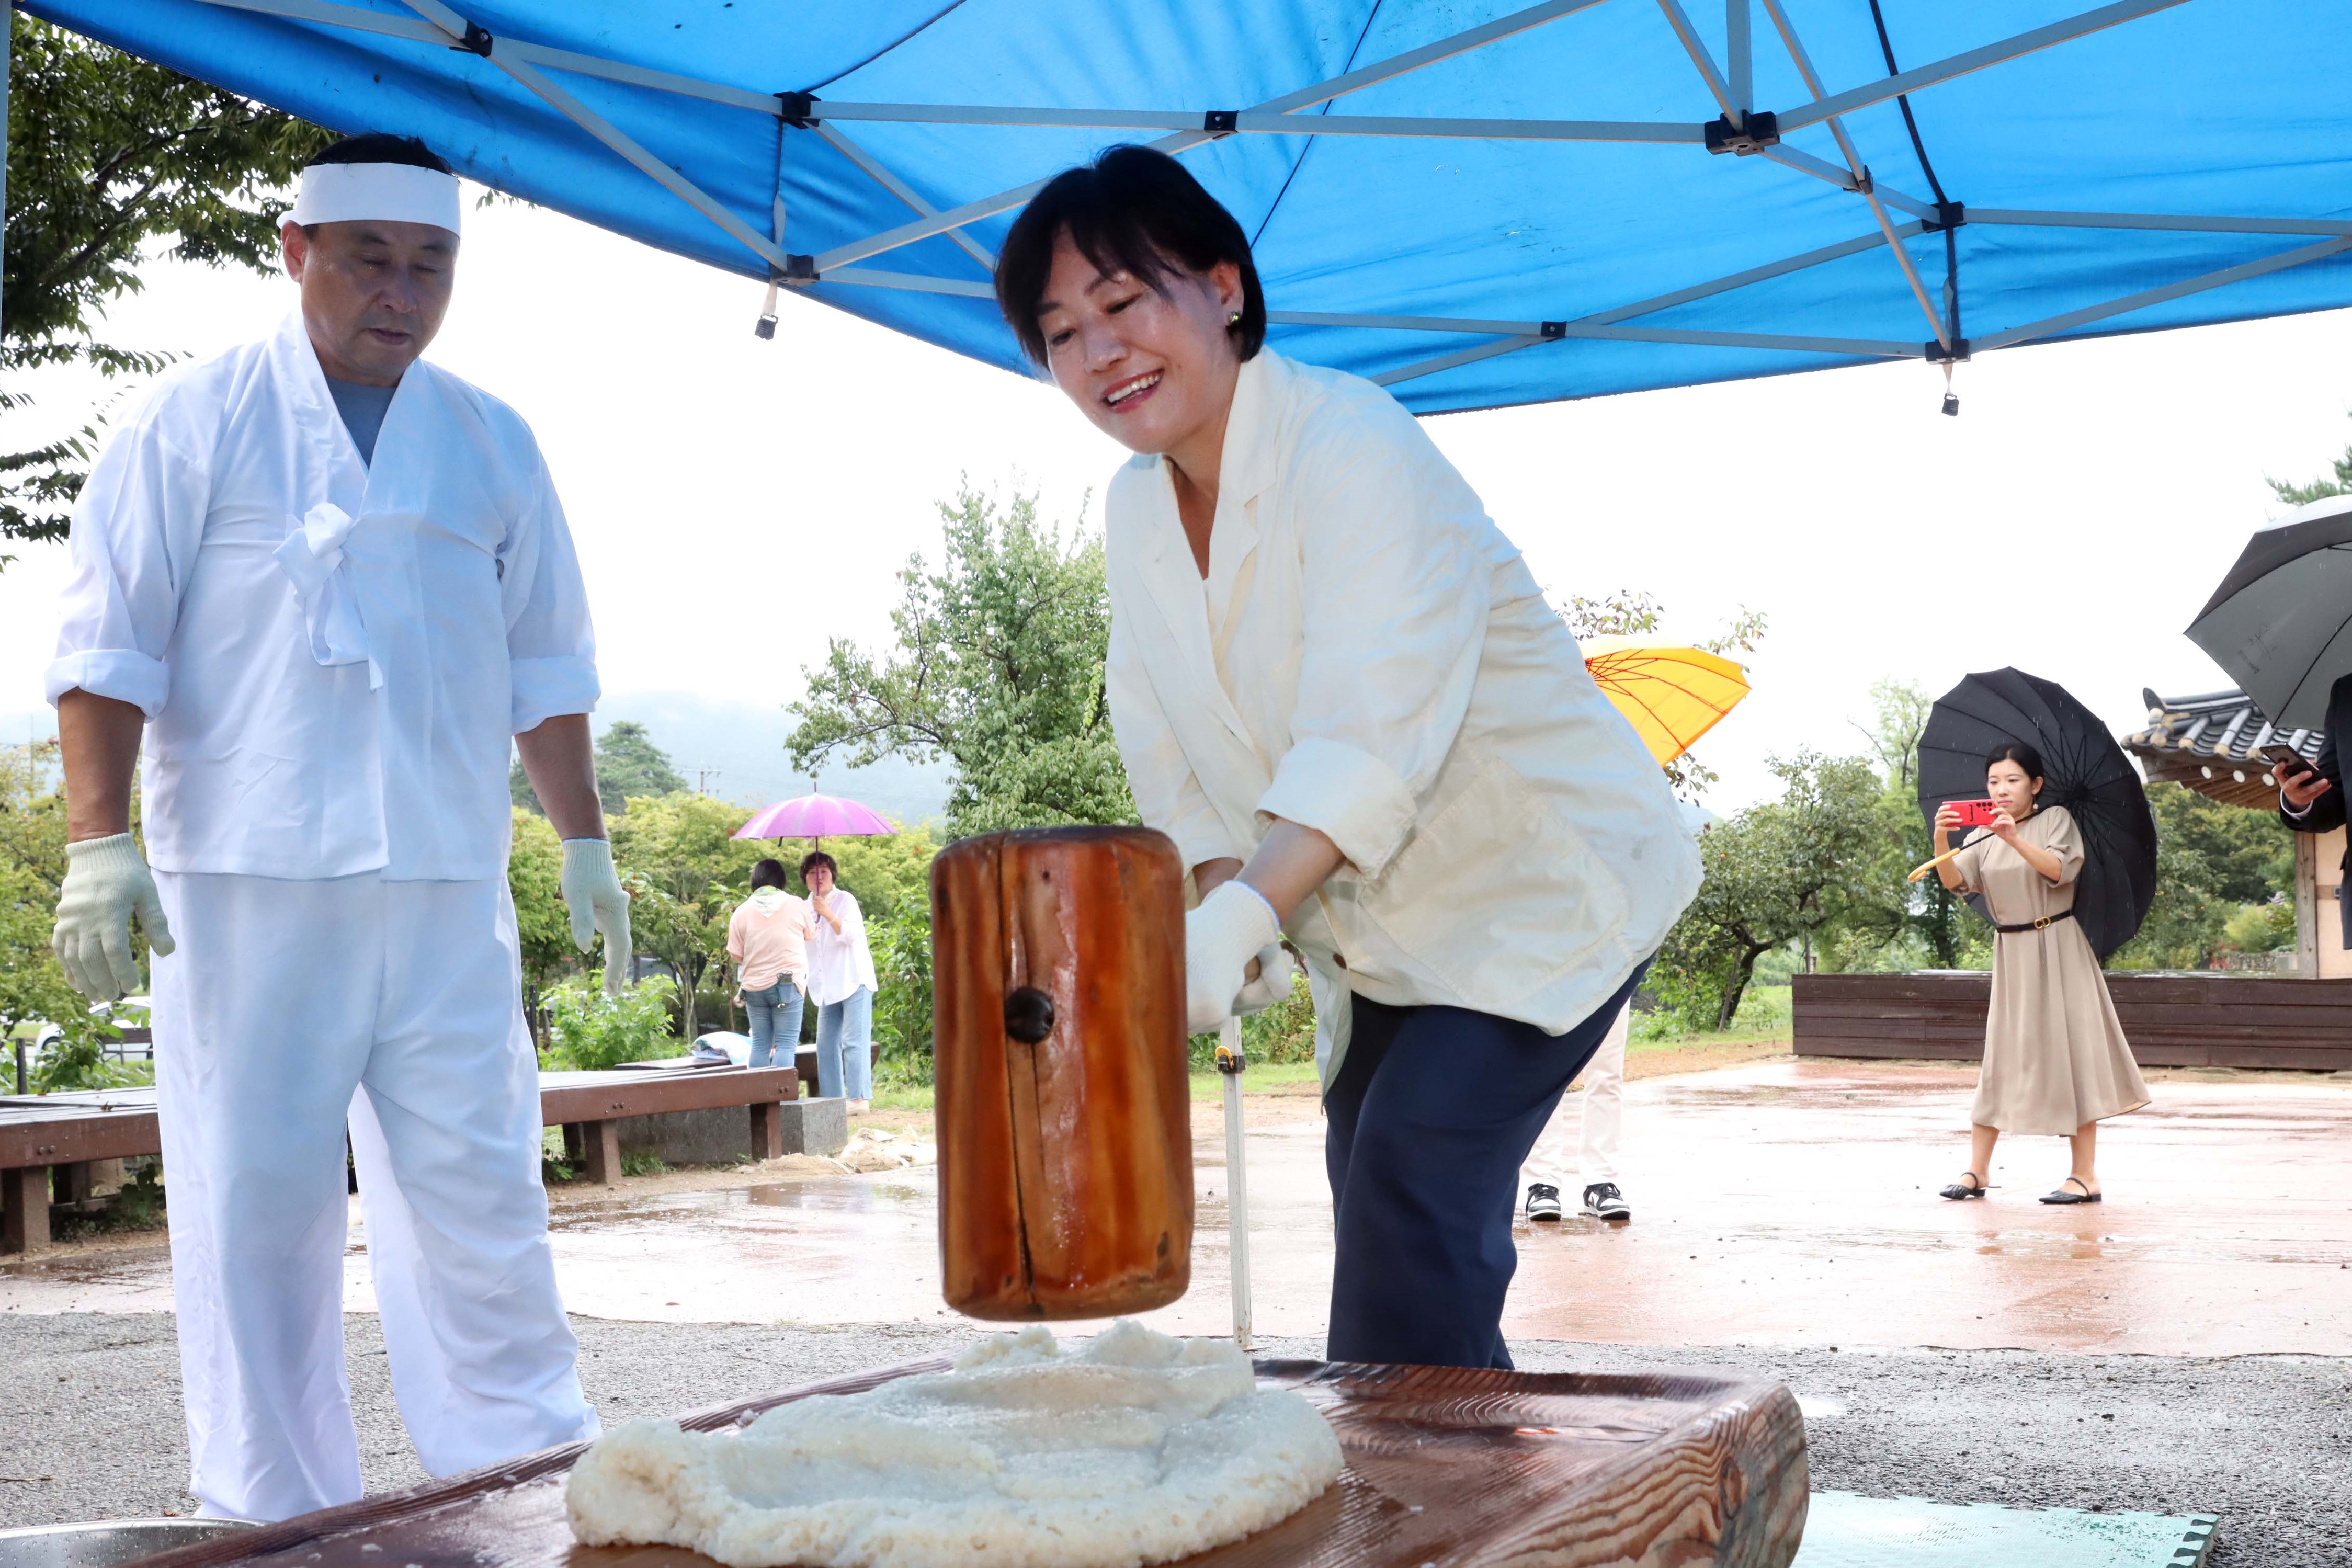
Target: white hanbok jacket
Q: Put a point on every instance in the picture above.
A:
(332, 656)
(1370, 657)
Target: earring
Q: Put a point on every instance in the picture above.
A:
(1234, 320)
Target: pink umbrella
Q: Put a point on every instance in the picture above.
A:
(816, 816)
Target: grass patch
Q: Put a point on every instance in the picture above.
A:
(1262, 1078)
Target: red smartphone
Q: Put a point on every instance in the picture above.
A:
(1973, 813)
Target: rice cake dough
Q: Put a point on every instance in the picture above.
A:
(1128, 1448)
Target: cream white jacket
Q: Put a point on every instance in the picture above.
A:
(331, 657)
(1370, 657)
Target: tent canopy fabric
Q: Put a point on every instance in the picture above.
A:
(1481, 204)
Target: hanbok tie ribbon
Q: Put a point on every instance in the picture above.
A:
(312, 556)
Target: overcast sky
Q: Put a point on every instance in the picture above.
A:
(737, 502)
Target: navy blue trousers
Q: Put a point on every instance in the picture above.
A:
(1432, 1115)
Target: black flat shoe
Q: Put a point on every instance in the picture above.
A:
(1962, 1190)
(2063, 1196)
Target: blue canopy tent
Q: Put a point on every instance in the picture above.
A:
(1748, 189)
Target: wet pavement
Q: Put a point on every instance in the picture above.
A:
(1788, 1203)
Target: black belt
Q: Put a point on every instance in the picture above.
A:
(2034, 925)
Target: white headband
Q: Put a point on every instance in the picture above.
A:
(388, 193)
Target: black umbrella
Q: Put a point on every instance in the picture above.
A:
(2281, 622)
(2083, 770)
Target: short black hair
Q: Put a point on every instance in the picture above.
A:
(768, 874)
(2017, 752)
(383, 147)
(815, 857)
(1132, 210)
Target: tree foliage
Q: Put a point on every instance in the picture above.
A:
(2214, 863)
(1785, 871)
(2318, 489)
(106, 153)
(997, 666)
(627, 764)
(33, 987)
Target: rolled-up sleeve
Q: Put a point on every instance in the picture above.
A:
(1168, 793)
(136, 531)
(551, 642)
(1393, 622)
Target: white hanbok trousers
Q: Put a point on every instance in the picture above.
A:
(1599, 1118)
(290, 1008)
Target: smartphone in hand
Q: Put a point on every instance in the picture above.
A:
(1973, 813)
(2286, 763)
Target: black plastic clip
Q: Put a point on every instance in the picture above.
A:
(1759, 128)
(1862, 185)
(798, 109)
(477, 41)
(1221, 122)
(797, 272)
(1936, 354)
(1950, 214)
(1554, 329)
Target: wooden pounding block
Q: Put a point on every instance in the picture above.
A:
(1061, 1088)
(1468, 1469)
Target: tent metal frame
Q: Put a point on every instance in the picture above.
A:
(1742, 130)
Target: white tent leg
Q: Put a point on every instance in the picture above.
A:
(1230, 1064)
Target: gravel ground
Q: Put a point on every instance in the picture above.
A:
(90, 1418)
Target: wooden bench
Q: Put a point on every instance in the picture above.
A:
(49, 1142)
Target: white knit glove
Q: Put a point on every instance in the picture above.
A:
(593, 892)
(106, 884)
(1272, 987)
(1231, 927)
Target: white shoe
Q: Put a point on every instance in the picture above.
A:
(1603, 1201)
(1543, 1204)
(860, 1107)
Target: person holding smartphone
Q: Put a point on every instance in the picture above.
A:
(2056, 1060)
(2310, 798)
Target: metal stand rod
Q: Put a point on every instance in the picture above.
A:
(1230, 1064)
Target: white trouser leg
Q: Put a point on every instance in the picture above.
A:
(1597, 1112)
(1604, 1104)
(262, 1019)
(446, 1134)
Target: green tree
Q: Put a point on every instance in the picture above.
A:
(2319, 489)
(2212, 861)
(686, 872)
(1905, 918)
(33, 987)
(998, 667)
(534, 877)
(627, 764)
(109, 153)
(1785, 871)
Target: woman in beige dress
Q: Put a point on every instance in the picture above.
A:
(2056, 1060)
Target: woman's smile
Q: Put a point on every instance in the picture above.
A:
(1132, 393)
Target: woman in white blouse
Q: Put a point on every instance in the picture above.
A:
(841, 984)
(1336, 685)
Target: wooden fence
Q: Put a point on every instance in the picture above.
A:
(2171, 1020)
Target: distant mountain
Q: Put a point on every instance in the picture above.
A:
(736, 751)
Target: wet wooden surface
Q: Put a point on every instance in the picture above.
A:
(1467, 1469)
(1065, 1160)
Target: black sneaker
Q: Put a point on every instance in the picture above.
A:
(1543, 1204)
(1603, 1201)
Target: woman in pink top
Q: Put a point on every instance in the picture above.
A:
(768, 937)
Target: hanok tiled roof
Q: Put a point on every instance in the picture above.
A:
(2213, 743)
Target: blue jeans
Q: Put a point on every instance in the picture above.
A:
(845, 1040)
(1433, 1112)
(775, 1015)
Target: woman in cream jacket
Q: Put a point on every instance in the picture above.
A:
(1336, 685)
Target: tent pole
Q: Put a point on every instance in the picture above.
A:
(2314, 226)
(2141, 301)
(880, 172)
(1862, 181)
(7, 64)
(1695, 48)
(1994, 54)
(1304, 98)
(1739, 54)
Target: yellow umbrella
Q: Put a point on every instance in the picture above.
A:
(1672, 695)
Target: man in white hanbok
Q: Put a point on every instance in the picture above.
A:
(330, 581)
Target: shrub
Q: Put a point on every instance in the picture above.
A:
(588, 1031)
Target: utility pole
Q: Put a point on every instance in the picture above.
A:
(703, 774)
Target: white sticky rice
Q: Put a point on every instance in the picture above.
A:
(1132, 1447)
